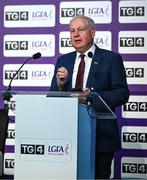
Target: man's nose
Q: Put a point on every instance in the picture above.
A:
(76, 33)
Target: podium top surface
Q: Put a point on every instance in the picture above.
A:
(24, 92)
(106, 110)
(47, 93)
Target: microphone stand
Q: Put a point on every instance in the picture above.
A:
(7, 94)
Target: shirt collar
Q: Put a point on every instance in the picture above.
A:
(92, 49)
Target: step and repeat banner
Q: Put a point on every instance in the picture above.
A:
(28, 27)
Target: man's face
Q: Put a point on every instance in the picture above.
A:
(81, 35)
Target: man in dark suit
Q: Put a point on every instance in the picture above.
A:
(104, 73)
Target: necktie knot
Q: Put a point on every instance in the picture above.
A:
(82, 56)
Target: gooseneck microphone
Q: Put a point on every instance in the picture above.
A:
(35, 56)
(90, 54)
(7, 95)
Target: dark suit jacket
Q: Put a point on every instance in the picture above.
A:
(108, 78)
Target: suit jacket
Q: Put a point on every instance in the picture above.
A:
(107, 77)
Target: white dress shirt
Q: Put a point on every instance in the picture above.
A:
(88, 61)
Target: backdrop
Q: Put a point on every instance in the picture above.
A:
(27, 27)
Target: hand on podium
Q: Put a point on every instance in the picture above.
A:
(82, 96)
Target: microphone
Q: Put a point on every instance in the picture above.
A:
(35, 56)
(90, 54)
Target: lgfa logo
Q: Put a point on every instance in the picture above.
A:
(58, 150)
(99, 11)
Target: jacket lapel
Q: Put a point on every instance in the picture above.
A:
(72, 59)
(94, 66)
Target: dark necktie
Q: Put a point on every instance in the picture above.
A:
(80, 74)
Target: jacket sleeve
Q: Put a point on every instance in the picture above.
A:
(54, 86)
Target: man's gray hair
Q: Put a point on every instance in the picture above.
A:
(90, 22)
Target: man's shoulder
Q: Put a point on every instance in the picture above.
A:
(67, 55)
(107, 52)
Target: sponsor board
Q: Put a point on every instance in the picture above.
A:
(134, 167)
(9, 163)
(133, 42)
(135, 108)
(29, 16)
(133, 11)
(99, 11)
(134, 137)
(10, 138)
(27, 45)
(30, 75)
(136, 72)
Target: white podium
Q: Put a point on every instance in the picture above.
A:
(54, 138)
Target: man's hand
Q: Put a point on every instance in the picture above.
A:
(62, 77)
(82, 96)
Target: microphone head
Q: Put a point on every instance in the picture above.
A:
(36, 56)
(90, 54)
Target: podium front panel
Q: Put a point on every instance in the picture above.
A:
(46, 137)
(86, 143)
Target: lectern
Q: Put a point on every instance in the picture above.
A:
(54, 136)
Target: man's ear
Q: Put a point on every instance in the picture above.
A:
(93, 32)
